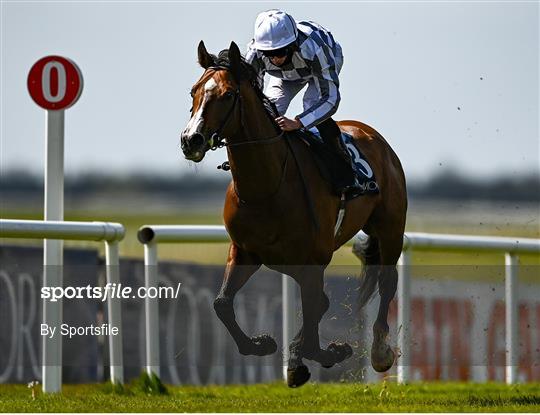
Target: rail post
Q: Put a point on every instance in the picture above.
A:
(53, 256)
(404, 318)
(69, 87)
(511, 304)
(114, 313)
(288, 290)
(151, 309)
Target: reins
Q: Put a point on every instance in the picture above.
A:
(218, 142)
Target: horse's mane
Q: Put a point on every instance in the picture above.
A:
(247, 72)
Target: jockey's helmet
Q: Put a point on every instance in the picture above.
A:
(274, 29)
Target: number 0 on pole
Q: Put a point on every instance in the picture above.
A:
(55, 83)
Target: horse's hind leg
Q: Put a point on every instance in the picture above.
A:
(340, 350)
(368, 251)
(295, 355)
(298, 373)
(240, 267)
(382, 356)
(306, 343)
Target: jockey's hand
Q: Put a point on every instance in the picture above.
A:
(286, 124)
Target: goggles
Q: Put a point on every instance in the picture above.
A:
(278, 53)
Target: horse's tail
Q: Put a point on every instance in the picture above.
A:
(367, 249)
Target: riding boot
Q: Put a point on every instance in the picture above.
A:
(343, 175)
(331, 136)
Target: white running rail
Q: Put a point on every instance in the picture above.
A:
(151, 235)
(111, 234)
(510, 247)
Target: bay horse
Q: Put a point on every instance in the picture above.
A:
(280, 212)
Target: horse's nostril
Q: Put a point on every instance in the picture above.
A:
(190, 143)
(197, 140)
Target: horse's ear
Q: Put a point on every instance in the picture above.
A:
(235, 59)
(205, 59)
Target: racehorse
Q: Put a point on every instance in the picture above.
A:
(280, 212)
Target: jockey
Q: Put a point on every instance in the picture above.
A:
(295, 54)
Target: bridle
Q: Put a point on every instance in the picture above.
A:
(217, 141)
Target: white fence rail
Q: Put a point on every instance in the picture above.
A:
(111, 234)
(511, 247)
(152, 235)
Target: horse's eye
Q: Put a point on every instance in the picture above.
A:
(191, 94)
(228, 94)
(191, 109)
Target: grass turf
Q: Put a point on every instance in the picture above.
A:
(276, 397)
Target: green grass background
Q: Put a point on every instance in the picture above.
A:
(277, 397)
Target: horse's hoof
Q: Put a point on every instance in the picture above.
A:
(339, 352)
(382, 360)
(342, 351)
(264, 345)
(298, 376)
(325, 358)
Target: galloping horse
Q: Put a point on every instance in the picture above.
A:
(280, 212)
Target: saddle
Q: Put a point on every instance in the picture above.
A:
(328, 161)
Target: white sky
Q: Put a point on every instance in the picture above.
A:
(408, 67)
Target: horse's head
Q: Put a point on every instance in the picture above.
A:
(215, 107)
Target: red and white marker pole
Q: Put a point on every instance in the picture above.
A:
(54, 83)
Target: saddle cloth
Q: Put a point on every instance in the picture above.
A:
(365, 177)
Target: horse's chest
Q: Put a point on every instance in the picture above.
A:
(263, 233)
(274, 249)
(259, 238)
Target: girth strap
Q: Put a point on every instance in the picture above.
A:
(341, 213)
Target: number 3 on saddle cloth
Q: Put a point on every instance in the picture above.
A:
(329, 164)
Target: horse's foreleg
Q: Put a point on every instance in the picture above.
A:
(240, 267)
